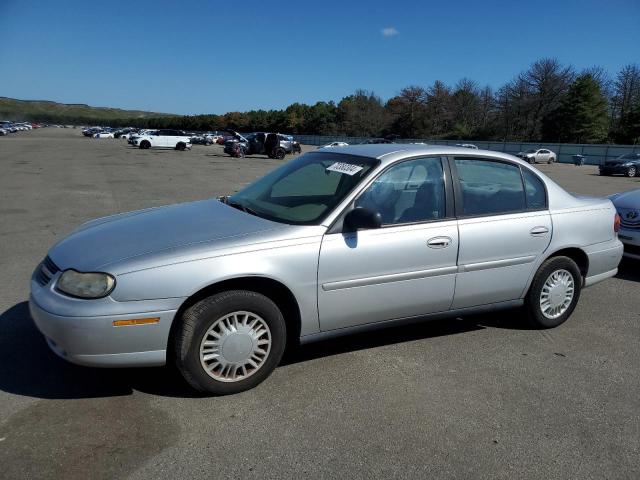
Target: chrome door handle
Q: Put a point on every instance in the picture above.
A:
(539, 231)
(439, 242)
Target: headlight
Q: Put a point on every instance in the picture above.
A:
(628, 164)
(86, 285)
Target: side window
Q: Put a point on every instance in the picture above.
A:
(411, 191)
(490, 187)
(536, 195)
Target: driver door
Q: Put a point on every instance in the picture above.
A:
(405, 268)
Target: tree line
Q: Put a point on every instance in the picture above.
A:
(548, 102)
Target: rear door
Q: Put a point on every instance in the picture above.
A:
(504, 226)
(405, 268)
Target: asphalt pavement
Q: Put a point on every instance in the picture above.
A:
(474, 397)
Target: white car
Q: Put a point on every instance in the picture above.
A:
(628, 207)
(176, 139)
(540, 155)
(335, 144)
(103, 135)
(467, 145)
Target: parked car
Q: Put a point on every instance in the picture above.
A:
(627, 164)
(467, 145)
(541, 155)
(335, 144)
(333, 242)
(175, 139)
(91, 131)
(104, 134)
(274, 145)
(375, 141)
(628, 206)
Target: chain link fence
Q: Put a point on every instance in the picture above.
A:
(595, 154)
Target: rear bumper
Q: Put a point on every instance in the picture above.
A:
(603, 261)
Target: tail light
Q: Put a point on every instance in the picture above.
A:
(616, 223)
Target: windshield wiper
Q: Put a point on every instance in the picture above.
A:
(242, 207)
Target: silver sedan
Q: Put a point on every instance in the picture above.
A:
(333, 242)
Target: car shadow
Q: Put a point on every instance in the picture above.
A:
(29, 368)
(629, 269)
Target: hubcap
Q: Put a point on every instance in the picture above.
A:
(557, 294)
(235, 346)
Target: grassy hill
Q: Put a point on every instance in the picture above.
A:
(53, 112)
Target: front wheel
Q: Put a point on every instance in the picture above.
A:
(145, 144)
(279, 153)
(181, 146)
(554, 292)
(632, 171)
(230, 342)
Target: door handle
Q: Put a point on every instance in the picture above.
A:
(539, 231)
(439, 242)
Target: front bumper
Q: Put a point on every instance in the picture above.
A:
(92, 339)
(613, 169)
(630, 238)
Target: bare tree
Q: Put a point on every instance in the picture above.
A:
(626, 92)
(546, 81)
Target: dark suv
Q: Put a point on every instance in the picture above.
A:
(274, 145)
(627, 164)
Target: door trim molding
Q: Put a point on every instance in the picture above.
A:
(508, 262)
(393, 277)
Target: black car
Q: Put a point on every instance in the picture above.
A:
(375, 141)
(627, 164)
(274, 145)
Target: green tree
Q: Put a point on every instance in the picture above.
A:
(582, 116)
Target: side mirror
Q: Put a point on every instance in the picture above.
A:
(361, 218)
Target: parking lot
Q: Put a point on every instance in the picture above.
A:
(473, 397)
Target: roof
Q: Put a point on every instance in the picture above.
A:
(395, 151)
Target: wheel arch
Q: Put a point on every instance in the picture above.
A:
(275, 290)
(575, 253)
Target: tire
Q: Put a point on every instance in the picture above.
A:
(202, 322)
(181, 146)
(632, 171)
(565, 271)
(279, 153)
(145, 144)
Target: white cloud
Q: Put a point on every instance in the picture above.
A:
(389, 32)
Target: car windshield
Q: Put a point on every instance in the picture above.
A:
(306, 190)
(629, 156)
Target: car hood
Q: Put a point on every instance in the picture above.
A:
(108, 240)
(630, 199)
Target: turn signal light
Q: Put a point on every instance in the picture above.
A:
(136, 321)
(616, 223)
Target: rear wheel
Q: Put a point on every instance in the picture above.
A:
(632, 171)
(230, 342)
(145, 144)
(554, 292)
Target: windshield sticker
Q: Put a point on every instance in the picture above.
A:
(345, 168)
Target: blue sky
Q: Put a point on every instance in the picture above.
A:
(213, 57)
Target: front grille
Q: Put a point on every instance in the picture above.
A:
(633, 226)
(45, 271)
(633, 249)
